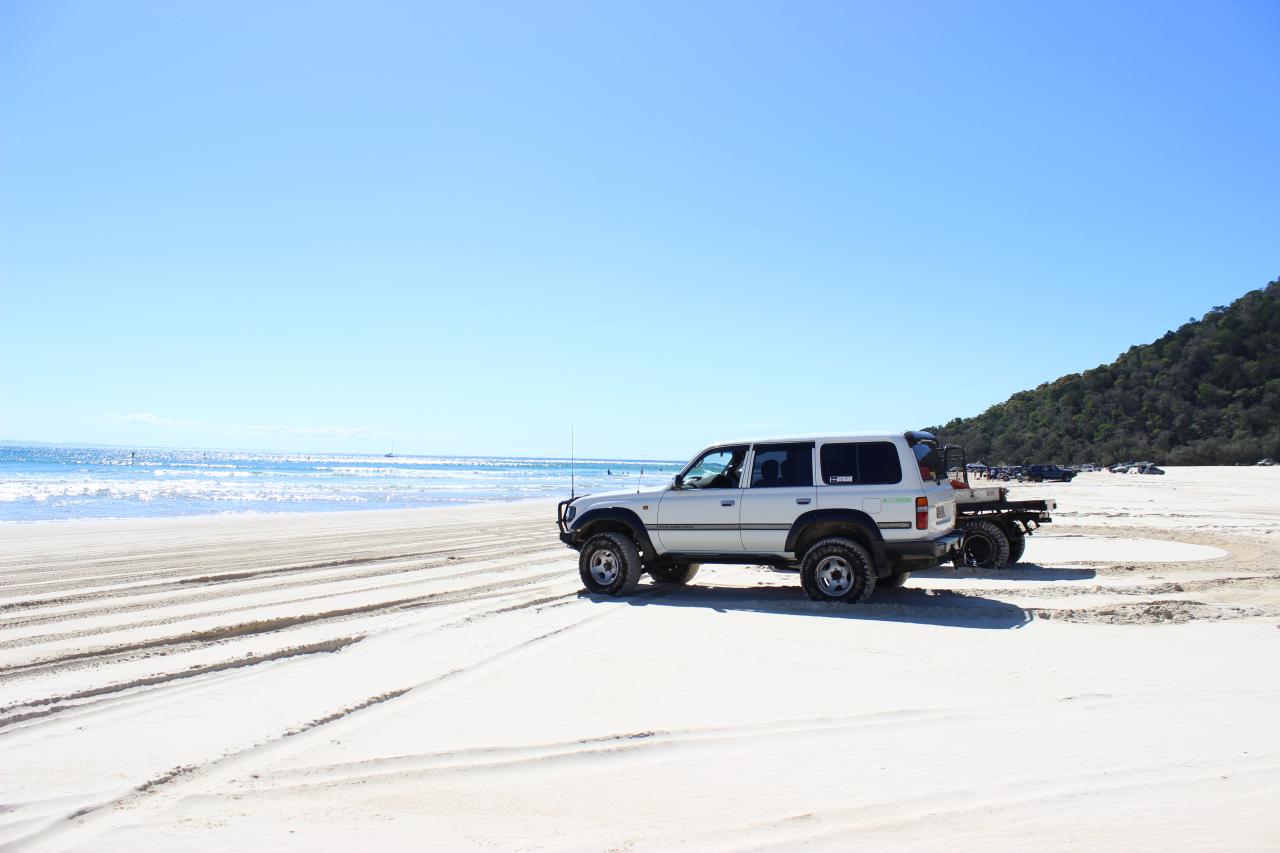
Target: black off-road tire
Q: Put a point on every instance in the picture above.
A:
(1017, 544)
(617, 564)
(823, 567)
(677, 573)
(984, 546)
(893, 581)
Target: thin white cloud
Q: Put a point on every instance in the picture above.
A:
(152, 419)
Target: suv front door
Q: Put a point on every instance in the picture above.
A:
(778, 492)
(701, 515)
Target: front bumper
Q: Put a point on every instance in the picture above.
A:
(562, 521)
(939, 547)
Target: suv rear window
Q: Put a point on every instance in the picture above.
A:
(862, 463)
(930, 461)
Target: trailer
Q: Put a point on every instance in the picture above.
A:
(995, 528)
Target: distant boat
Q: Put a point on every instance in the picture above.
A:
(392, 454)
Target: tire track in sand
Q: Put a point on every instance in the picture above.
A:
(157, 792)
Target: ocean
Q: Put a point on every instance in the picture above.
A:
(44, 482)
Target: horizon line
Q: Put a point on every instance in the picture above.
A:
(9, 442)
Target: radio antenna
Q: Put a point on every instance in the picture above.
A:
(571, 474)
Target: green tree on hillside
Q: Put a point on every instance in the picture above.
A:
(1205, 394)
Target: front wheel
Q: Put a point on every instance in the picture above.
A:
(610, 564)
(838, 569)
(677, 573)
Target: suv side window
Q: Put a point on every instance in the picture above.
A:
(781, 465)
(718, 468)
(864, 463)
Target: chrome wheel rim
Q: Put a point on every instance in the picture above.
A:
(604, 566)
(835, 576)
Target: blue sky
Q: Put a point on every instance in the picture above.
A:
(465, 227)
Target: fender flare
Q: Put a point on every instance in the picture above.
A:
(616, 513)
(853, 517)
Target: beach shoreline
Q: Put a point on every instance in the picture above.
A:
(59, 483)
(106, 523)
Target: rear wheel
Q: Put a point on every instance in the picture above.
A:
(677, 573)
(984, 546)
(894, 580)
(610, 564)
(838, 569)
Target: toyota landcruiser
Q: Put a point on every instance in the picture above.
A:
(852, 511)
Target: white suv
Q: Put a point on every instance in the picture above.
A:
(852, 510)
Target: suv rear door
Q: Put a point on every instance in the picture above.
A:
(935, 482)
(779, 490)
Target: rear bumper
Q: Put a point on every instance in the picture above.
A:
(925, 548)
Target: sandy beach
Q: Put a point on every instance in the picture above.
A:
(436, 679)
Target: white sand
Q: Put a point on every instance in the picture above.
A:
(433, 680)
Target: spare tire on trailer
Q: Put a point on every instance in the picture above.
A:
(984, 546)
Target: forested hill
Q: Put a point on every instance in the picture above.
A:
(1206, 394)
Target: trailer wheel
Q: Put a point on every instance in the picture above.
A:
(1017, 543)
(984, 546)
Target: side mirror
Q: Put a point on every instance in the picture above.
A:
(678, 482)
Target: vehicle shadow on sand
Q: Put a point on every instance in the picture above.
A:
(920, 606)
(1014, 572)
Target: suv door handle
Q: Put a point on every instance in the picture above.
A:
(802, 500)
(726, 503)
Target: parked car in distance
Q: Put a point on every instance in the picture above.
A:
(1148, 468)
(1040, 473)
(1268, 461)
